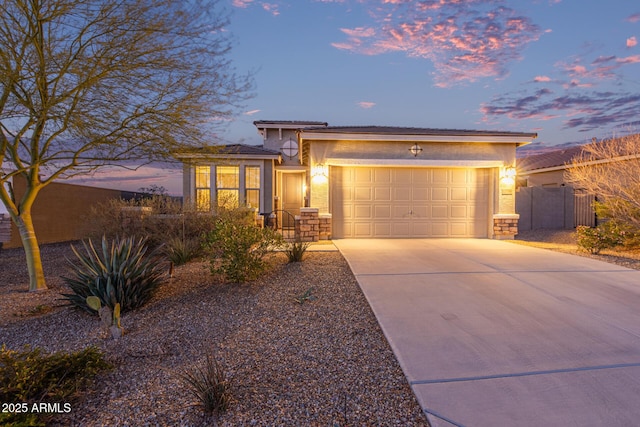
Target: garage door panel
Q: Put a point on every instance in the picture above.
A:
(439, 194)
(459, 212)
(459, 229)
(362, 229)
(459, 176)
(363, 175)
(382, 212)
(421, 228)
(402, 176)
(409, 202)
(382, 194)
(439, 212)
(458, 194)
(402, 194)
(362, 212)
(440, 229)
(440, 176)
(382, 175)
(420, 194)
(363, 194)
(400, 211)
(421, 211)
(400, 229)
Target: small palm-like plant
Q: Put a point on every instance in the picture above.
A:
(121, 273)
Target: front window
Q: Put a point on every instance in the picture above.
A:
(228, 185)
(252, 186)
(203, 188)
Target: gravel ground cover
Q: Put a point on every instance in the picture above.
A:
(323, 362)
(565, 241)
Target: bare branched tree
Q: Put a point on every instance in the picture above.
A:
(610, 169)
(89, 83)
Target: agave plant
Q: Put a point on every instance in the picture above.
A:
(121, 273)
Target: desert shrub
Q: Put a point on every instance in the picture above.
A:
(30, 377)
(295, 250)
(605, 235)
(159, 219)
(237, 247)
(209, 386)
(123, 272)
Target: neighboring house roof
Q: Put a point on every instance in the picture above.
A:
(230, 150)
(549, 159)
(561, 159)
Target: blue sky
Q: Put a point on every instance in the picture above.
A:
(568, 70)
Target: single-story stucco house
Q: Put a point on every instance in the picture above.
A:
(366, 181)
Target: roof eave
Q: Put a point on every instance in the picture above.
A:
(212, 156)
(518, 139)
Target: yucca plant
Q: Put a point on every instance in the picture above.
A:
(208, 385)
(295, 250)
(182, 250)
(121, 273)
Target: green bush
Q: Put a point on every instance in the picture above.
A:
(122, 272)
(237, 247)
(605, 235)
(209, 386)
(31, 377)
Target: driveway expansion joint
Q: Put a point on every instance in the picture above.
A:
(525, 374)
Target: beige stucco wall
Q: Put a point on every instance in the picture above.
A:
(321, 151)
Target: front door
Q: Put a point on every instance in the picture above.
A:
(292, 197)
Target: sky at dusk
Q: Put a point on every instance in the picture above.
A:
(566, 69)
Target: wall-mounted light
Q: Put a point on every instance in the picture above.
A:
(508, 175)
(290, 148)
(415, 150)
(319, 172)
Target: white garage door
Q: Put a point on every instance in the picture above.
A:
(409, 202)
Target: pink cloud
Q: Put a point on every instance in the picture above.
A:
(366, 104)
(465, 40)
(542, 79)
(629, 60)
(251, 113)
(271, 8)
(358, 32)
(632, 41)
(241, 3)
(634, 18)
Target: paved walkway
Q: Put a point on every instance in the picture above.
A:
(492, 333)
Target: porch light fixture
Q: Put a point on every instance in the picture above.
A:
(415, 150)
(508, 175)
(319, 170)
(290, 148)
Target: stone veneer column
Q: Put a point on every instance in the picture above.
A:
(505, 226)
(325, 226)
(308, 225)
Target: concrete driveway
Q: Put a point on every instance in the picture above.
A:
(492, 333)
